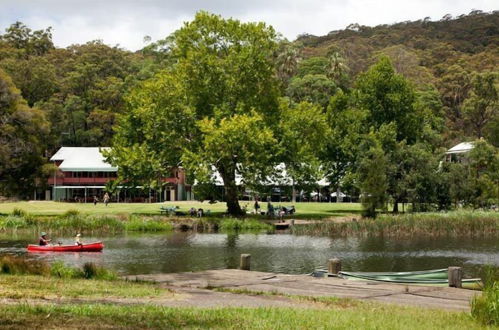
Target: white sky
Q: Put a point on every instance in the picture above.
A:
(126, 22)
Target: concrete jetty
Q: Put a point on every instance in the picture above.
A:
(304, 285)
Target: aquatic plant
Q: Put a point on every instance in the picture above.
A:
(485, 308)
(135, 223)
(15, 265)
(17, 212)
(12, 222)
(18, 265)
(243, 224)
(434, 224)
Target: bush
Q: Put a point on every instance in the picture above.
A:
(19, 212)
(59, 269)
(70, 213)
(22, 266)
(19, 265)
(12, 222)
(485, 308)
(92, 271)
(239, 224)
(135, 223)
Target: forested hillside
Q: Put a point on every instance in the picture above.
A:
(370, 108)
(435, 55)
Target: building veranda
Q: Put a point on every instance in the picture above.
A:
(83, 175)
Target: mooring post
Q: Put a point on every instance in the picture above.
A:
(292, 222)
(455, 276)
(245, 262)
(334, 266)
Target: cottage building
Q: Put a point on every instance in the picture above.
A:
(458, 152)
(83, 173)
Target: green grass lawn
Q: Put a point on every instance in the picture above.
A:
(98, 316)
(304, 210)
(119, 304)
(42, 287)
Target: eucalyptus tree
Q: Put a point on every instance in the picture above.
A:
(22, 134)
(212, 110)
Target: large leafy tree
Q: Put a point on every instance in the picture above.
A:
(381, 120)
(214, 109)
(482, 106)
(22, 134)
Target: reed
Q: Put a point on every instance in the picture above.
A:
(135, 223)
(243, 224)
(15, 265)
(433, 224)
(20, 266)
(485, 308)
(73, 221)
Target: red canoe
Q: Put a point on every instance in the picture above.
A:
(90, 247)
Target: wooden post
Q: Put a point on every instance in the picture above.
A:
(334, 265)
(292, 222)
(455, 275)
(245, 262)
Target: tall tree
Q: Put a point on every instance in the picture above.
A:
(22, 133)
(482, 106)
(218, 104)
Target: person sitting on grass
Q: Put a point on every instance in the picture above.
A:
(44, 240)
(77, 239)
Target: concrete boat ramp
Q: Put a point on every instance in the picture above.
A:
(196, 289)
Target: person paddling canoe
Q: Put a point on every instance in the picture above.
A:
(44, 240)
(78, 239)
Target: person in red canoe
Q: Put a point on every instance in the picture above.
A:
(78, 239)
(44, 240)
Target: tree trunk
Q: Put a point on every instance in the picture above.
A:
(293, 198)
(396, 206)
(231, 195)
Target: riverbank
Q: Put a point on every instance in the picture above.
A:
(456, 223)
(465, 224)
(453, 223)
(25, 300)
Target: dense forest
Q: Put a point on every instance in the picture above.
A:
(435, 81)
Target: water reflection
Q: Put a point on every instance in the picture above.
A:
(188, 251)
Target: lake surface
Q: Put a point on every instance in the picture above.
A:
(286, 253)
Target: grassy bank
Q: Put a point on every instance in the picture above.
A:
(485, 308)
(74, 302)
(48, 208)
(22, 278)
(73, 221)
(364, 316)
(458, 223)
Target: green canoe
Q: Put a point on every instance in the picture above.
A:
(436, 274)
(427, 277)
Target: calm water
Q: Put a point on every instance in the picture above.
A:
(180, 251)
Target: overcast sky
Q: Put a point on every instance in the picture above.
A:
(126, 22)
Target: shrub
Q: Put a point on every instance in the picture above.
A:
(18, 265)
(19, 212)
(485, 308)
(70, 213)
(59, 269)
(12, 222)
(239, 224)
(92, 271)
(135, 223)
